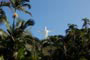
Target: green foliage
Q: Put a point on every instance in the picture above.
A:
(20, 54)
(1, 58)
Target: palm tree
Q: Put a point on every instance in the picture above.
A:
(71, 28)
(86, 22)
(17, 5)
(14, 39)
(71, 32)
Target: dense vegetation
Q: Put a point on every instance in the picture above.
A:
(16, 43)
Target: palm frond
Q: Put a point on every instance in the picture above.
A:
(20, 4)
(2, 16)
(30, 22)
(27, 5)
(3, 34)
(5, 4)
(25, 11)
(19, 22)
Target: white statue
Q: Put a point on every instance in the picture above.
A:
(45, 32)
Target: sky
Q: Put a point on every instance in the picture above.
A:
(55, 14)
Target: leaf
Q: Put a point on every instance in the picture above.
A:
(27, 0)
(2, 16)
(21, 54)
(13, 1)
(25, 11)
(1, 58)
(27, 5)
(3, 19)
(3, 34)
(19, 22)
(30, 22)
(5, 4)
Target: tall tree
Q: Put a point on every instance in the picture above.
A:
(86, 23)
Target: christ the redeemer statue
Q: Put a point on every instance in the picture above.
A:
(45, 32)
